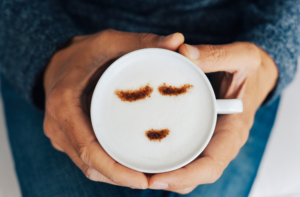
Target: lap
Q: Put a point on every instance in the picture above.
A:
(43, 171)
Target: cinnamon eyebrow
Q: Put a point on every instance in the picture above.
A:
(172, 90)
(134, 95)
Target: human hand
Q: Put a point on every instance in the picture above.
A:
(242, 70)
(69, 81)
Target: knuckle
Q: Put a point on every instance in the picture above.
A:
(117, 176)
(66, 124)
(255, 53)
(102, 178)
(142, 39)
(50, 106)
(92, 174)
(106, 32)
(88, 172)
(185, 191)
(67, 94)
(56, 146)
(85, 169)
(47, 130)
(179, 184)
(109, 31)
(216, 53)
(58, 101)
(54, 99)
(82, 152)
(217, 171)
(104, 35)
(251, 47)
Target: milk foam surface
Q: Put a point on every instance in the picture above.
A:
(120, 126)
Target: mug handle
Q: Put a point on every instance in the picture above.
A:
(229, 106)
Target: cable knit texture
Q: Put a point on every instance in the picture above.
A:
(32, 30)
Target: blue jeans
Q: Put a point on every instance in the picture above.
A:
(44, 172)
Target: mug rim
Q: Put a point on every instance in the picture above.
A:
(114, 65)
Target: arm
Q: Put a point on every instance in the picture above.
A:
(31, 31)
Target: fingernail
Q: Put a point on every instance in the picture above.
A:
(194, 52)
(165, 38)
(159, 185)
(136, 186)
(93, 175)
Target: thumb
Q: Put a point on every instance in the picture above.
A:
(120, 43)
(229, 57)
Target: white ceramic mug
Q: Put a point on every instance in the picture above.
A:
(119, 126)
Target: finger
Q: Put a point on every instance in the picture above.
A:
(196, 173)
(61, 142)
(121, 43)
(78, 130)
(88, 171)
(111, 44)
(56, 146)
(66, 109)
(49, 130)
(223, 147)
(186, 190)
(229, 57)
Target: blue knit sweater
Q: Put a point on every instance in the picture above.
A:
(31, 31)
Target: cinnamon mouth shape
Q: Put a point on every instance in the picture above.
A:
(172, 90)
(157, 134)
(134, 95)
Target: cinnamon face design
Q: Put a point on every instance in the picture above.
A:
(146, 91)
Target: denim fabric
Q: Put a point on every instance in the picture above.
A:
(46, 172)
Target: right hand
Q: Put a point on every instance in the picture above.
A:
(69, 80)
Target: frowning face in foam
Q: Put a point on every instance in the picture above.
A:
(152, 111)
(143, 93)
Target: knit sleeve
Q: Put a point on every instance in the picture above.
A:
(30, 33)
(274, 26)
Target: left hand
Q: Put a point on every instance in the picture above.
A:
(244, 71)
(69, 80)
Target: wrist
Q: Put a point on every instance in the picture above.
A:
(267, 75)
(52, 70)
(259, 83)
